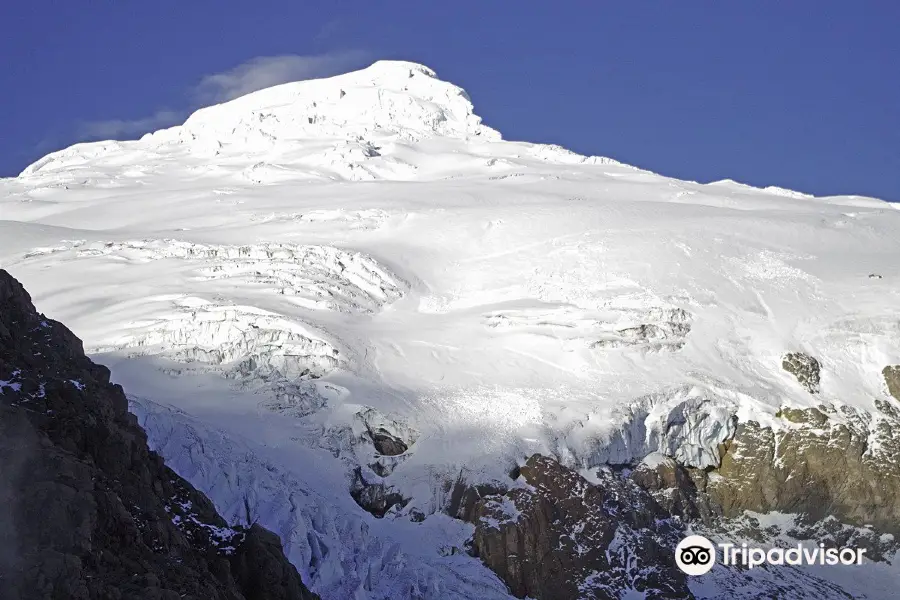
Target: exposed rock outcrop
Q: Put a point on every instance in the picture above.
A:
(825, 462)
(846, 467)
(375, 497)
(387, 444)
(892, 379)
(390, 436)
(680, 491)
(89, 511)
(387, 437)
(669, 333)
(463, 497)
(262, 571)
(805, 368)
(558, 536)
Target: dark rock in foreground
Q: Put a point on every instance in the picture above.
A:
(89, 511)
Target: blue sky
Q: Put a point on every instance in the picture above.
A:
(802, 94)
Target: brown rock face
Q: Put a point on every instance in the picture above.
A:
(464, 497)
(892, 379)
(678, 490)
(561, 537)
(89, 512)
(847, 469)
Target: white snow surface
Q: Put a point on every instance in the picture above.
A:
(263, 275)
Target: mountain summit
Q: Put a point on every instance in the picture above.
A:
(390, 98)
(352, 114)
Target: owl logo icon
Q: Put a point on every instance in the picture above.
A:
(695, 555)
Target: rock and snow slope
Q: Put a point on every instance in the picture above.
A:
(283, 263)
(89, 512)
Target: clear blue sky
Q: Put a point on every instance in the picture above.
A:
(802, 94)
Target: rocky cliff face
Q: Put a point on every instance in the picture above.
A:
(892, 379)
(680, 491)
(557, 536)
(838, 463)
(832, 461)
(89, 511)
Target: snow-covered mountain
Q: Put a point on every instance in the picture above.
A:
(351, 291)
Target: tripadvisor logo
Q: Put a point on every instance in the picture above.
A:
(696, 555)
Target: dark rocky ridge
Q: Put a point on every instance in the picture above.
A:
(89, 511)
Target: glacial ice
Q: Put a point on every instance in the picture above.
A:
(683, 423)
